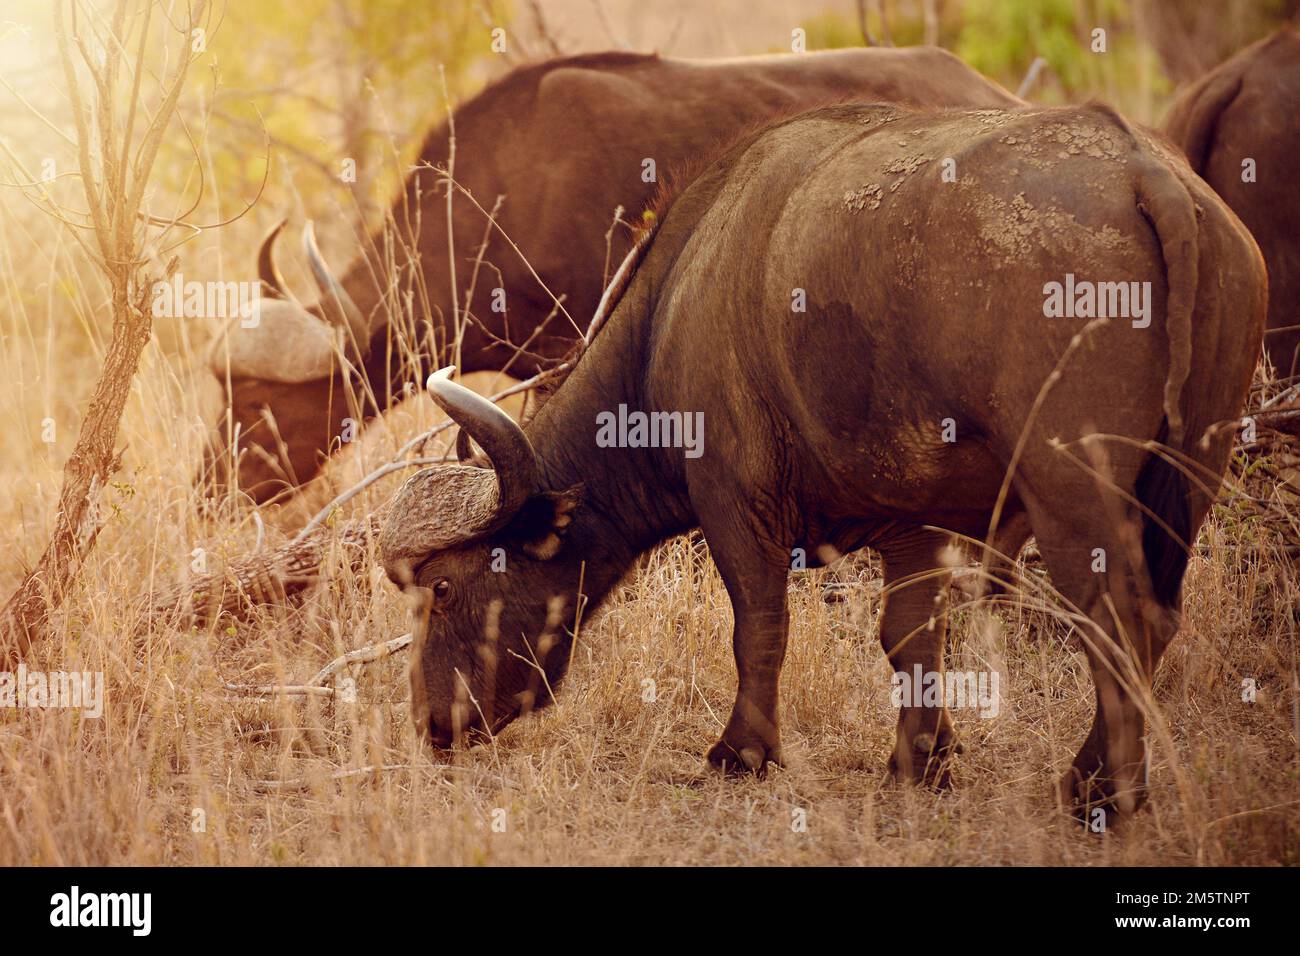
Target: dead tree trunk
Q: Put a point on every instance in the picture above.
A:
(84, 475)
(114, 169)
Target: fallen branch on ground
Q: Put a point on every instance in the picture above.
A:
(284, 690)
(305, 783)
(315, 687)
(364, 655)
(280, 576)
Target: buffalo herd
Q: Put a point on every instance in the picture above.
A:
(846, 299)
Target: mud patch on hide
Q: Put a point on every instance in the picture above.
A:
(1047, 145)
(991, 119)
(881, 116)
(867, 197)
(1018, 229)
(904, 167)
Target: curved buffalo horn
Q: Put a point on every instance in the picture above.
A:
(330, 288)
(272, 281)
(500, 437)
(448, 505)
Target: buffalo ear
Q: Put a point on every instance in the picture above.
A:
(540, 525)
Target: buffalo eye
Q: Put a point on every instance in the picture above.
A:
(441, 590)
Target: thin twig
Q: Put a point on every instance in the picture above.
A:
(305, 783)
(315, 687)
(363, 656)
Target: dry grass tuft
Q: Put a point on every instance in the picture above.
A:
(609, 775)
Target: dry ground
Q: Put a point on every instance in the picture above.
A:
(605, 776)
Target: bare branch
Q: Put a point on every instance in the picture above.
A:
(365, 655)
(305, 783)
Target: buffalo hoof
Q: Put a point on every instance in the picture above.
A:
(929, 763)
(1097, 802)
(744, 757)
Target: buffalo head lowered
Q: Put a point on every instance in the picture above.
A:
(482, 553)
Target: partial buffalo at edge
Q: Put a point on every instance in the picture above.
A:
(1240, 128)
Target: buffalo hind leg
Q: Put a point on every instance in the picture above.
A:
(912, 630)
(1097, 565)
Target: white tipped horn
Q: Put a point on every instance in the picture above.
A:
(499, 435)
(335, 301)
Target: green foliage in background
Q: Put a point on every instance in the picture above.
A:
(831, 31)
(332, 80)
(1001, 38)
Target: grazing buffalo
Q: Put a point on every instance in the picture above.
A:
(848, 331)
(1238, 126)
(565, 143)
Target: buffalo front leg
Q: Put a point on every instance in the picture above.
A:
(912, 629)
(755, 577)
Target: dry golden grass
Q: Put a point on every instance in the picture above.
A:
(604, 776)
